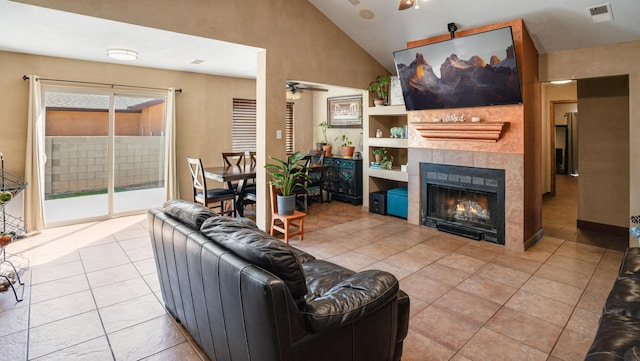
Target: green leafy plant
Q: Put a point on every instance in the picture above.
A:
(290, 174)
(379, 86)
(344, 140)
(386, 162)
(380, 151)
(324, 126)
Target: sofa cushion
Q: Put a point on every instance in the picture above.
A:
(190, 213)
(339, 297)
(615, 335)
(242, 237)
(631, 262)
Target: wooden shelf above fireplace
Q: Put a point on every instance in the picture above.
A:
(479, 132)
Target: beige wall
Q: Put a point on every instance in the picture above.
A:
(300, 43)
(320, 115)
(551, 93)
(203, 109)
(617, 59)
(603, 149)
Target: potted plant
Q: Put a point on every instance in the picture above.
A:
(326, 147)
(379, 154)
(287, 176)
(386, 162)
(347, 148)
(379, 88)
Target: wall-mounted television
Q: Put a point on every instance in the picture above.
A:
(470, 71)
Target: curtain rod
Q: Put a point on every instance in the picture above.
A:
(24, 77)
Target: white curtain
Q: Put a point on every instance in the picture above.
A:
(170, 176)
(35, 159)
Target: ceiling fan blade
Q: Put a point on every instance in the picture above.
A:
(313, 89)
(405, 4)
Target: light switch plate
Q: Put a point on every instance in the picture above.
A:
(278, 134)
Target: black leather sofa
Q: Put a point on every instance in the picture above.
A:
(244, 295)
(618, 334)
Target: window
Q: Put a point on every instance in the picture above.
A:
(288, 128)
(244, 125)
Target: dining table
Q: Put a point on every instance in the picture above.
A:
(233, 173)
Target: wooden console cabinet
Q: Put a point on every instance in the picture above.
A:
(343, 179)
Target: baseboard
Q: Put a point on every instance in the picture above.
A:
(603, 228)
(533, 240)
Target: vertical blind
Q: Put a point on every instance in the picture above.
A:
(244, 125)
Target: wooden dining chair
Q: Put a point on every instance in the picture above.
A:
(214, 198)
(282, 222)
(233, 159)
(251, 194)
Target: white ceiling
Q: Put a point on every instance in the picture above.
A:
(554, 25)
(42, 31)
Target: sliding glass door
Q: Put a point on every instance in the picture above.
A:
(104, 151)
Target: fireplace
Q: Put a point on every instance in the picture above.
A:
(465, 201)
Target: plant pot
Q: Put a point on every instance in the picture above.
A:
(347, 152)
(286, 204)
(379, 102)
(378, 157)
(327, 150)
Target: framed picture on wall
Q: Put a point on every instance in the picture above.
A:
(345, 111)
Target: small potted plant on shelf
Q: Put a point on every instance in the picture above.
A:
(347, 148)
(380, 88)
(379, 154)
(287, 175)
(326, 147)
(386, 162)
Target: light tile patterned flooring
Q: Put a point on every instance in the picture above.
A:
(93, 292)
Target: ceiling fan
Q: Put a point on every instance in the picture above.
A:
(408, 4)
(296, 87)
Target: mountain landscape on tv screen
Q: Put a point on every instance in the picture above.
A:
(462, 83)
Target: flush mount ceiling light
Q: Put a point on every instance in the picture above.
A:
(122, 54)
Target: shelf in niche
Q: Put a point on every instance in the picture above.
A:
(389, 142)
(392, 174)
(388, 110)
(479, 132)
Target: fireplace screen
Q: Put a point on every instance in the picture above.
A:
(466, 201)
(462, 206)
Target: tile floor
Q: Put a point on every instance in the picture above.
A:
(93, 292)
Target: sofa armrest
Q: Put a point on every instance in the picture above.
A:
(350, 300)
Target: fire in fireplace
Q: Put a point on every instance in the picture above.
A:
(465, 201)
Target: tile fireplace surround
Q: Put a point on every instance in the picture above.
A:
(514, 184)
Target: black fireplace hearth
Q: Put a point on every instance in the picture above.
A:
(465, 201)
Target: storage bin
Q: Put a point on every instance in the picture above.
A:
(378, 202)
(397, 202)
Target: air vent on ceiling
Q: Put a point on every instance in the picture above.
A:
(354, 2)
(197, 61)
(600, 13)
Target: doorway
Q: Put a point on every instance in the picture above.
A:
(104, 151)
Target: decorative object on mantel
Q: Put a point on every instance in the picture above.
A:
(453, 118)
(435, 119)
(481, 132)
(475, 119)
(378, 133)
